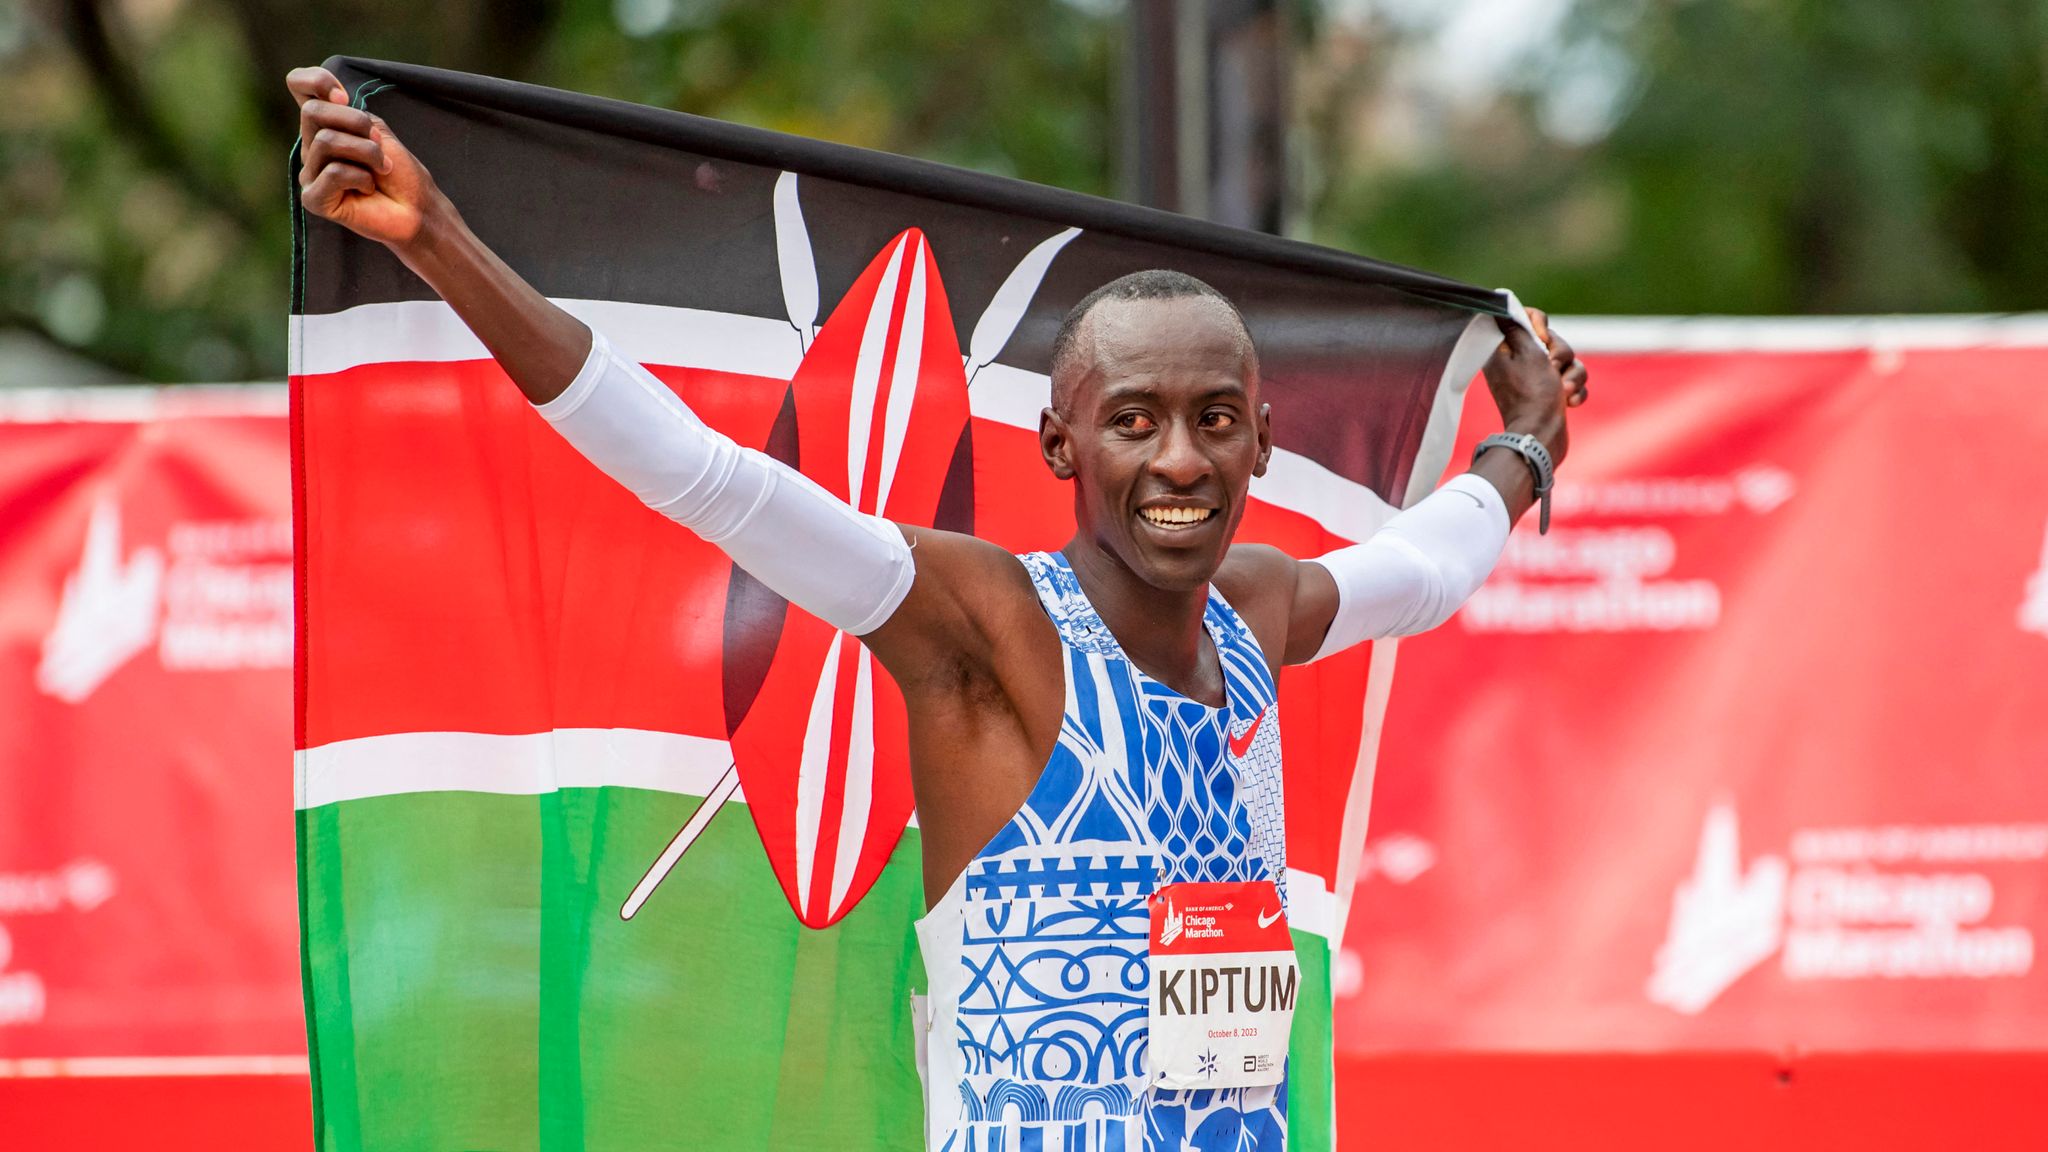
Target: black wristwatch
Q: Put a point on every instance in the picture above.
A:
(1536, 456)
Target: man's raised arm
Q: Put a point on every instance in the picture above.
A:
(1428, 560)
(768, 517)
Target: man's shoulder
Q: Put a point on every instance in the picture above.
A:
(1254, 571)
(972, 620)
(959, 554)
(1258, 580)
(985, 580)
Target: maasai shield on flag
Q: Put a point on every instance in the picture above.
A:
(604, 845)
(881, 414)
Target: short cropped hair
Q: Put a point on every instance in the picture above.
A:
(1152, 284)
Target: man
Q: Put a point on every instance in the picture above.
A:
(1094, 746)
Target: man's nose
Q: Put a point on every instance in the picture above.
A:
(1180, 461)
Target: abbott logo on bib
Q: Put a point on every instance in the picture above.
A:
(1223, 985)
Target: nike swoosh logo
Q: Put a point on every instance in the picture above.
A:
(1266, 921)
(1240, 745)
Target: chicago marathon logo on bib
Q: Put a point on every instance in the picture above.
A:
(1223, 984)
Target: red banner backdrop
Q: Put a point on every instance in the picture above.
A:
(147, 907)
(1748, 751)
(1745, 755)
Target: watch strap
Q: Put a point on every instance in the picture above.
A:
(1534, 454)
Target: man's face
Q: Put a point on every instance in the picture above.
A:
(1161, 434)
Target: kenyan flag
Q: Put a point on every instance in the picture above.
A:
(601, 843)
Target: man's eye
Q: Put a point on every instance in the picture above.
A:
(1218, 418)
(1133, 421)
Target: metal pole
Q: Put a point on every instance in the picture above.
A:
(1151, 100)
(1206, 100)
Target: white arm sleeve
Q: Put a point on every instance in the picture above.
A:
(849, 569)
(1419, 567)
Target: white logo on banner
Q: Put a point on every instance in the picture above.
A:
(1837, 913)
(107, 614)
(1617, 579)
(1723, 922)
(223, 601)
(2034, 607)
(1763, 488)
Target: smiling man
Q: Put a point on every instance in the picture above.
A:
(1095, 747)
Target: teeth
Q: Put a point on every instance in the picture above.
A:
(1176, 516)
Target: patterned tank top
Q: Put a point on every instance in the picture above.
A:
(1036, 956)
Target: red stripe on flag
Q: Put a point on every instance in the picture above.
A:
(490, 579)
(522, 590)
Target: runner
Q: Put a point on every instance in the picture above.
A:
(1095, 749)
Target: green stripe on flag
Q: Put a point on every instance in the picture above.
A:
(473, 986)
(1311, 1071)
(470, 985)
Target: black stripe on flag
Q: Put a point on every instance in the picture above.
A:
(591, 198)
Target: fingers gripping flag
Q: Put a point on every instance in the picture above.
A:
(526, 703)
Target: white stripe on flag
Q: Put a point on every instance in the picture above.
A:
(867, 376)
(427, 330)
(523, 765)
(1475, 345)
(539, 762)
(903, 383)
(1311, 906)
(814, 765)
(1301, 485)
(857, 792)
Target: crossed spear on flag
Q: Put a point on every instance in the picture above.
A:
(800, 298)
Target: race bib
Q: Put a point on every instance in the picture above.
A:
(1223, 984)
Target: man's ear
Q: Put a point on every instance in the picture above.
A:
(1265, 439)
(1055, 443)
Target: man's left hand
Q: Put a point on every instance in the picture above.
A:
(1534, 379)
(1562, 358)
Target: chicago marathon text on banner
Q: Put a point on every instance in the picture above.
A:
(1747, 751)
(146, 907)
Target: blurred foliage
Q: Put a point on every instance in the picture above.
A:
(143, 143)
(1753, 157)
(1746, 156)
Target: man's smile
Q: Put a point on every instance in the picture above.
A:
(1174, 518)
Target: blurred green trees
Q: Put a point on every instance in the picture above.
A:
(1750, 156)
(143, 143)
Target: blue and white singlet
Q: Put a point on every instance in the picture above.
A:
(1036, 956)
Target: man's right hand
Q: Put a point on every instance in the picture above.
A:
(354, 171)
(352, 168)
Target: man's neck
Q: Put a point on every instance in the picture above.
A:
(1160, 629)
